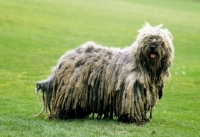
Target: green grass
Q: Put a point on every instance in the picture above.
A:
(35, 33)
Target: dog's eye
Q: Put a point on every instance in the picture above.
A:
(161, 44)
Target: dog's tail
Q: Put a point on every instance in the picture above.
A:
(42, 86)
(46, 87)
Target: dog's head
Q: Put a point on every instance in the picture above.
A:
(154, 47)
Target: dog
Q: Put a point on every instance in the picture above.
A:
(110, 82)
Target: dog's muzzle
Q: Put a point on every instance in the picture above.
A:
(152, 51)
(152, 47)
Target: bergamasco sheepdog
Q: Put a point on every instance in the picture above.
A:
(110, 82)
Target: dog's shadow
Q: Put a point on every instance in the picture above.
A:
(91, 119)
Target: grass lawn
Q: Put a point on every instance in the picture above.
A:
(35, 33)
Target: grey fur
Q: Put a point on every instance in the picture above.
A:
(110, 82)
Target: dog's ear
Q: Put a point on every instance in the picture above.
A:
(160, 92)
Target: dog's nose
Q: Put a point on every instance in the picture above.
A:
(152, 47)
